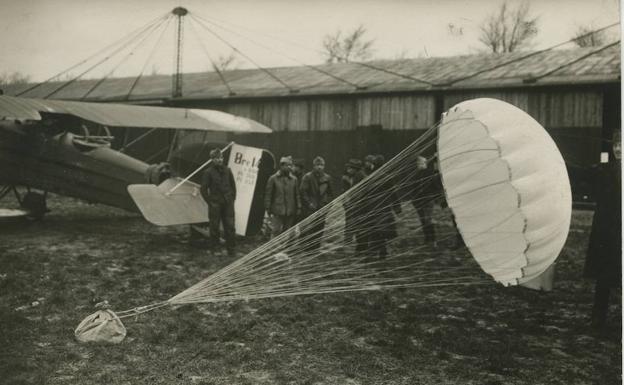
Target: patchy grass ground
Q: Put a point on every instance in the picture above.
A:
(53, 272)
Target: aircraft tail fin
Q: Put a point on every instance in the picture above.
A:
(161, 207)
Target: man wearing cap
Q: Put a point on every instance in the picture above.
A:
(369, 166)
(376, 205)
(298, 170)
(350, 178)
(362, 207)
(384, 203)
(219, 190)
(316, 192)
(281, 199)
(427, 186)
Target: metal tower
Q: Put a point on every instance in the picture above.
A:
(176, 89)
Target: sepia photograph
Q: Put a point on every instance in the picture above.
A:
(347, 192)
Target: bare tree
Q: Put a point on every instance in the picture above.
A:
(455, 29)
(14, 78)
(401, 55)
(586, 37)
(226, 62)
(339, 48)
(508, 29)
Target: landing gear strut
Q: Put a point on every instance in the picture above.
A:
(35, 204)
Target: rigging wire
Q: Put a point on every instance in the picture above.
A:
(149, 58)
(214, 65)
(292, 90)
(124, 58)
(128, 36)
(106, 58)
(523, 57)
(364, 64)
(571, 62)
(315, 68)
(265, 70)
(371, 66)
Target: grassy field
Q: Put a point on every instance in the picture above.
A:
(53, 272)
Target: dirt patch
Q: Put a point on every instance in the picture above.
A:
(53, 272)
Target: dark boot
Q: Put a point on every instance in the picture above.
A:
(601, 305)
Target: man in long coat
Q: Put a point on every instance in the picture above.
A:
(218, 189)
(426, 188)
(383, 202)
(281, 199)
(316, 191)
(350, 178)
(603, 262)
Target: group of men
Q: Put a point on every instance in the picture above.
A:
(291, 195)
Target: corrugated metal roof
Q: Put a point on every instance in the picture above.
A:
(123, 115)
(572, 66)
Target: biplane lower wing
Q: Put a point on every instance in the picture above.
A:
(10, 215)
(162, 207)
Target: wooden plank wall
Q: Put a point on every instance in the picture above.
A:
(337, 114)
(573, 118)
(553, 109)
(329, 126)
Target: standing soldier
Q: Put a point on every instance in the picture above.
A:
(298, 170)
(316, 192)
(426, 189)
(383, 203)
(350, 178)
(603, 261)
(362, 209)
(219, 190)
(281, 198)
(369, 166)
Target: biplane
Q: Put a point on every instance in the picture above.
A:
(64, 147)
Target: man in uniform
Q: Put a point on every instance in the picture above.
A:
(316, 191)
(362, 209)
(219, 191)
(426, 188)
(298, 170)
(281, 199)
(350, 178)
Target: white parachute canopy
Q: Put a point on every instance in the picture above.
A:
(507, 186)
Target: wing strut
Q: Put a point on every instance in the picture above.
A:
(196, 171)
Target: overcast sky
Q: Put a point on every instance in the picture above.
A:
(41, 38)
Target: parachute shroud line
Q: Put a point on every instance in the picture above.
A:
(512, 208)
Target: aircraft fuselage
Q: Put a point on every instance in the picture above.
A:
(62, 163)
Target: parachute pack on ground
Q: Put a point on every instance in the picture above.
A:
(493, 181)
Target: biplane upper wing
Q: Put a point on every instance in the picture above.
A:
(123, 115)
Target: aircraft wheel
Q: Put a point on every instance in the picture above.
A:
(35, 204)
